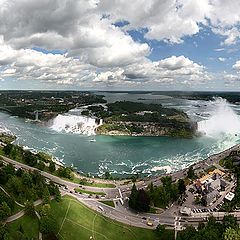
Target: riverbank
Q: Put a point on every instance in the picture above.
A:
(78, 176)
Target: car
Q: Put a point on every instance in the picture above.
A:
(144, 218)
(149, 223)
(71, 192)
(101, 208)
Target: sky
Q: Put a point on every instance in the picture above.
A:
(120, 45)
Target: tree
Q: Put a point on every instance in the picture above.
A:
(57, 194)
(230, 221)
(107, 175)
(9, 169)
(19, 172)
(45, 210)
(190, 172)
(40, 165)
(6, 209)
(46, 195)
(181, 186)
(65, 172)
(143, 201)
(160, 230)
(133, 197)
(48, 225)
(231, 234)
(7, 149)
(3, 177)
(14, 185)
(166, 181)
(187, 234)
(29, 208)
(3, 231)
(29, 158)
(27, 179)
(52, 167)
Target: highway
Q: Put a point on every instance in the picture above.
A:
(122, 213)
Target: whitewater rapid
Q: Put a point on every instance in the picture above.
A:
(128, 155)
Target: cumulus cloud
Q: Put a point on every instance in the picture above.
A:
(97, 49)
(179, 70)
(236, 66)
(232, 78)
(168, 20)
(30, 64)
(74, 25)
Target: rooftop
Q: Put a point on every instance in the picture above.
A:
(230, 196)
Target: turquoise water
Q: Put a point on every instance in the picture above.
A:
(120, 155)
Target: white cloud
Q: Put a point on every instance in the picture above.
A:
(236, 66)
(222, 59)
(29, 64)
(96, 50)
(76, 26)
(178, 70)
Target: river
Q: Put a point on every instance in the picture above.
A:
(124, 156)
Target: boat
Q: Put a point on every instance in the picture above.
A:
(92, 140)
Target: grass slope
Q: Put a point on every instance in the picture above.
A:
(29, 224)
(75, 221)
(109, 203)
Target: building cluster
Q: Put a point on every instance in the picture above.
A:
(211, 186)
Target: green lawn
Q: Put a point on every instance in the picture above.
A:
(75, 221)
(109, 203)
(29, 224)
(89, 192)
(88, 183)
(97, 184)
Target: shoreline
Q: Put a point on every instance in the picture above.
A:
(211, 159)
(181, 173)
(81, 173)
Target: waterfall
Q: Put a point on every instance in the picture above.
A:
(77, 124)
(223, 120)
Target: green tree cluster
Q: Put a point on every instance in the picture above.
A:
(167, 192)
(227, 230)
(139, 200)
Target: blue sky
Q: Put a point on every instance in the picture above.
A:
(120, 45)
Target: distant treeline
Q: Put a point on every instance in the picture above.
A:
(48, 103)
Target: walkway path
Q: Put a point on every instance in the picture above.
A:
(19, 204)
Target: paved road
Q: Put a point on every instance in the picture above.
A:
(19, 204)
(110, 192)
(122, 213)
(21, 213)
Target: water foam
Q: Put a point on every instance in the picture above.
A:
(168, 169)
(74, 124)
(223, 120)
